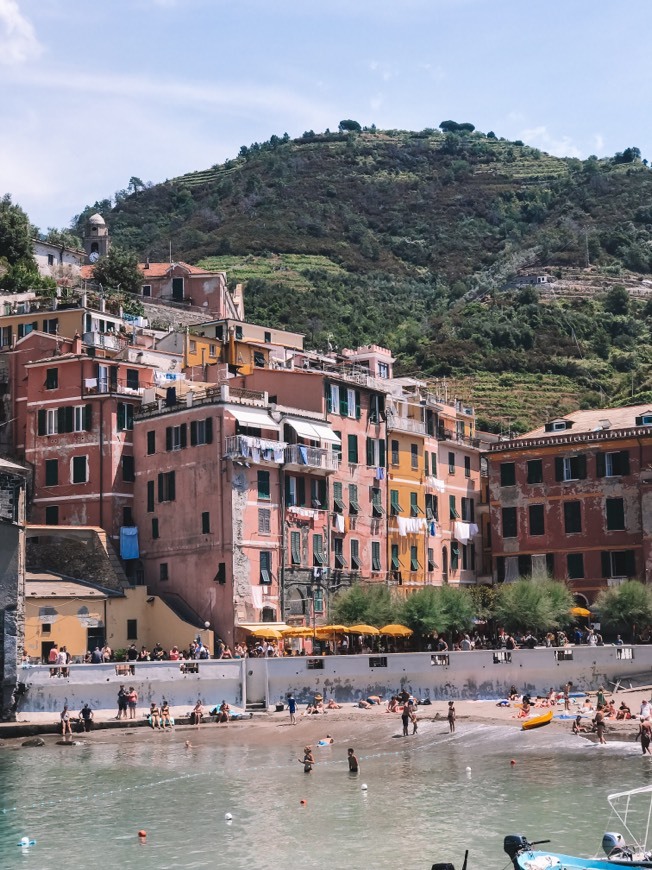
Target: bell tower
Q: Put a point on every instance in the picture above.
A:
(96, 239)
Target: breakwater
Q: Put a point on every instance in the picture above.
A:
(264, 682)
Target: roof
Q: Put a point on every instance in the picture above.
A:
(11, 467)
(160, 270)
(594, 420)
(45, 584)
(97, 220)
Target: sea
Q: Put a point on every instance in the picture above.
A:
(416, 801)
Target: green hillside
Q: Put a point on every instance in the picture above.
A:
(408, 239)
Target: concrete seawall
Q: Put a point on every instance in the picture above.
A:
(438, 676)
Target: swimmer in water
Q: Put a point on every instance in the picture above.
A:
(354, 765)
(188, 744)
(308, 760)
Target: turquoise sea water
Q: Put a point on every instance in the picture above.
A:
(84, 805)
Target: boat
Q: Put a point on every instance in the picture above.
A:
(619, 851)
(538, 721)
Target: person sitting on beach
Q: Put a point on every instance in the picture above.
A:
(224, 713)
(197, 714)
(154, 715)
(513, 693)
(392, 705)
(610, 710)
(333, 705)
(578, 728)
(623, 712)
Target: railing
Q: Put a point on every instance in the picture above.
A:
(311, 457)
(107, 340)
(103, 386)
(256, 449)
(405, 424)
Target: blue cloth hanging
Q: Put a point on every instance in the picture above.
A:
(129, 542)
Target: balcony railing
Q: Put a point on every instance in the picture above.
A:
(112, 386)
(311, 457)
(405, 424)
(255, 449)
(106, 340)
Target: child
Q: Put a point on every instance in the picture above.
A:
(451, 717)
(354, 765)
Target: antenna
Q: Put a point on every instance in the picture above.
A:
(170, 251)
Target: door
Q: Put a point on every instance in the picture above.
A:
(95, 638)
(46, 646)
(177, 289)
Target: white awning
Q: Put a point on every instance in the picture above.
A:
(314, 430)
(255, 417)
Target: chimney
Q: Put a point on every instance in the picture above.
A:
(77, 344)
(146, 266)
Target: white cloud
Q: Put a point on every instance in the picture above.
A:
(18, 40)
(384, 70)
(598, 143)
(539, 137)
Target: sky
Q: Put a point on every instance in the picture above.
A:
(93, 93)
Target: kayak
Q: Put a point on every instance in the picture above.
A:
(538, 721)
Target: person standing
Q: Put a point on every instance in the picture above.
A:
(405, 718)
(600, 700)
(132, 658)
(308, 760)
(86, 715)
(354, 765)
(292, 708)
(645, 734)
(53, 658)
(567, 689)
(451, 717)
(598, 721)
(65, 721)
(132, 700)
(413, 719)
(122, 702)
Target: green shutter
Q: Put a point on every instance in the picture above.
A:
(371, 452)
(183, 435)
(168, 436)
(209, 430)
(357, 405)
(193, 433)
(395, 560)
(455, 555)
(301, 491)
(559, 468)
(41, 422)
(600, 465)
(122, 416)
(329, 398)
(161, 487)
(381, 453)
(606, 563)
(581, 467)
(624, 462)
(426, 463)
(352, 441)
(295, 547)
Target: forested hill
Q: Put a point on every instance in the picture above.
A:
(409, 239)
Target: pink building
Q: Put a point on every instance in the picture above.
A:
(182, 283)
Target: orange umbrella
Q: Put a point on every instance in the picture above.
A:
(266, 633)
(331, 629)
(395, 630)
(363, 629)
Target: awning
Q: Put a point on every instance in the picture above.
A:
(314, 430)
(250, 626)
(255, 417)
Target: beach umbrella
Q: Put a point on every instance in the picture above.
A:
(266, 633)
(394, 630)
(298, 631)
(363, 629)
(331, 629)
(580, 611)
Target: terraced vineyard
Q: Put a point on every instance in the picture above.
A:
(290, 270)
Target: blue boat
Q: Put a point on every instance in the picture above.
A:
(630, 850)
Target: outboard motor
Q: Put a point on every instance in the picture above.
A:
(613, 844)
(513, 844)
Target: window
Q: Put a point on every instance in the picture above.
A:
(351, 403)
(150, 496)
(128, 469)
(151, 442)
(468, 510)
(432, 506)
(52, 515)
(509, 522)
(295, 548)
(396, 563)
(5, 336)
(206, 523)
(193, 346)
(376, 452)
(264, 491)
(431, 559)
(414, 559)
(352, 441)
(25, 328)
(615, 514)
(333, 398)
(452, 508)
(467, 466)
(163, 573)
(394, 506)
(318, 550)
(295, 490)
(127, 517)
(375, 556)
(575, 566)
(155, 533)
(177, 289)
(338, 553)
(201, 432)
(507, 474)
(618, 563)
(415, 510)
(318, 494)
(612, 464)
(570, 468)
(51, 472)
(356, 564)
(166, 486)
(318, 604)
(383, 370)
(377, 509)
(465, 557)
(132, 379)
(433, 464)
(455, 555)
(265, 567)
(337, 448)
(536, 518)
(264, 521)
(125, 416)
(338, 505)
(132, 629)
(451, 463)
(426, 463)
(238, 333)
(51, 379)
(395, 452)
(354, 506)
(414, 456)
(82, 418)
(212, 350)
(176, 437)
(376, 407)
(79, 469)
(147, 289)
(644, 420)
(572, 517)
(534, 471)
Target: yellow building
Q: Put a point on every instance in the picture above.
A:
(80, 616)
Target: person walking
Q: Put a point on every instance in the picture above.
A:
(451, 717)
(132, 701)
(292, 708)
(645, 736)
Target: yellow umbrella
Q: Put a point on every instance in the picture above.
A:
(580, 611)
(266, 633)
(363, 629)
(396, 630)
(298, 631)
(331, 629)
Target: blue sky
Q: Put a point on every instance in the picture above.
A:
(93, 93)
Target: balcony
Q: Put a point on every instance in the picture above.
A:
(105, 340)
(405, 424)
(255, 450)
(300, 457)
(112, 386)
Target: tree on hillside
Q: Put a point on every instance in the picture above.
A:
(627, 607)
(135, 184)
(63, 237)
(536, 604)
(15, 234)
(349, 127)
(616, 300)
(119, 270)
(454, 127)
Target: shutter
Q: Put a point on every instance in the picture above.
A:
(193, 433)
(550, 564)
(606, 563)
(630, 563)
(357, 404)
(600, 465)
(69, 417)
(321, 492)
(150, 495)
(61, 420)
(559, 468)
(329, 398)
(288, 491)
(161, 487)
(426, 463)
(121, 416)
(500, 569)
(301, 491)
(638, 421)
(184, 435)
(381, 452)
(41, 422)
(344, 403)
(581, 467)
(624, 462)
(171, 486)
(472, 510)
(370, 451)
(168, 437)
(88, 417)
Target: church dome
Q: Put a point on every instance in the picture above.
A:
(97, 220)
